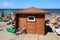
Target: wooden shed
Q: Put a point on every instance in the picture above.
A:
(33, 19)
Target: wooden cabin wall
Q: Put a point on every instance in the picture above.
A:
(37, 27)
(40, 24)
(22, 21)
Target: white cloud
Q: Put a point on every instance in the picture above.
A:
(6, 4)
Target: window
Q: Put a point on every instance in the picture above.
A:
(31, 18)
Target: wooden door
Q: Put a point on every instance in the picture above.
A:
(22, 22)
(31, 27)
(40, 26)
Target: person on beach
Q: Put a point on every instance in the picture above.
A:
(11, 21)
(47, 22)
(58, 21)
(23, 30)
(48, 27)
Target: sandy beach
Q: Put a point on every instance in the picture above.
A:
(4, 35)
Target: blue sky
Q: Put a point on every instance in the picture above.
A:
(20, 4)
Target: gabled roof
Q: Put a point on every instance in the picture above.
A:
(31, 10)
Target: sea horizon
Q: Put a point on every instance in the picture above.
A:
(56, 11)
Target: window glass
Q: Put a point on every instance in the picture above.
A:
(31, 18)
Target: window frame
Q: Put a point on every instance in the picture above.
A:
(30, 20)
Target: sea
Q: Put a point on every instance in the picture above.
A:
(10, 11)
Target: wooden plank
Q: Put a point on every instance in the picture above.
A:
(31, 31)
(31, 27)
(22, 22)
(40, 26)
